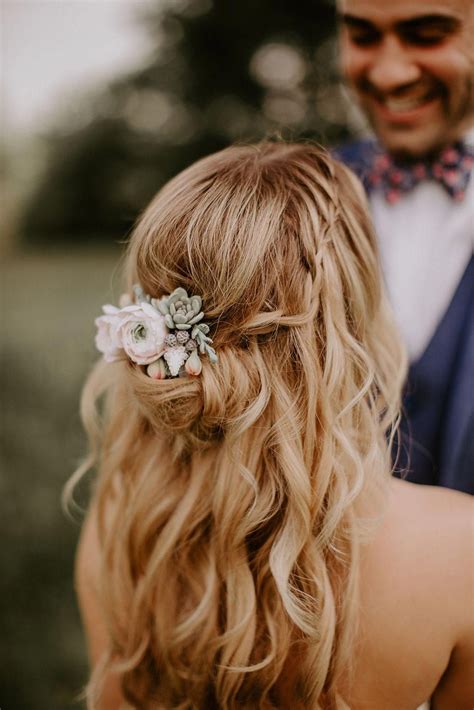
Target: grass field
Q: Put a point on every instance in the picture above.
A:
(49, 301)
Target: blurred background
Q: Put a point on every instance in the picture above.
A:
(103, 101)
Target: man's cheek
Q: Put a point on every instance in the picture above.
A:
(354, 76)
(349, 61)
(448, 64)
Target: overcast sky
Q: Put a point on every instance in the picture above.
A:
(52, 48)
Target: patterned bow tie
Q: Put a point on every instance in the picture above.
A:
(452, 169)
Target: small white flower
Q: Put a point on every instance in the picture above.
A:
(106, 339)
(175, 358)
(157, 370)
(193, 364)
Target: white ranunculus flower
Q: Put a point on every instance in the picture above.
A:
(141, 331)
(106, 339)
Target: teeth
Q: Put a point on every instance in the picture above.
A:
(400, 105)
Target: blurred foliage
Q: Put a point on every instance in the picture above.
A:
(220, 72)
(46, 351)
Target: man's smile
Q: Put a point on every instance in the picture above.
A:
(404, 105)
(407, 108)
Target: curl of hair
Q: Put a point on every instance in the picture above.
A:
(230, 503)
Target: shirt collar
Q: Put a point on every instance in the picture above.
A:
(468, 137)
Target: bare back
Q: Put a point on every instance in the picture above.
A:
(416, 637)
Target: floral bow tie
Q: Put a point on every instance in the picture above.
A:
(452, 169)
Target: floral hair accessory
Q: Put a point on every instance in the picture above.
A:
(167, 335)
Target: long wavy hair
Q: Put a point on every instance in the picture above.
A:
(232, 505)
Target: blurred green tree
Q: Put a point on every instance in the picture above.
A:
(219, 72)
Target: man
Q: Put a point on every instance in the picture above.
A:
(410, 65)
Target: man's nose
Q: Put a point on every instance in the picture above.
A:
(392, 66)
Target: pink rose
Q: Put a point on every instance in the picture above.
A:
(106, 339)
(141, 331)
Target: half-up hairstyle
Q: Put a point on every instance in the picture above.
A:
(231, 505)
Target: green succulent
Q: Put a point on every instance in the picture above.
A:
(183, 314)
(199, 335)
(181, 311)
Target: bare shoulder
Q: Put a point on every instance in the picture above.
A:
(417, 581)
(89, 550)
(446, 530)
(432, 499)
(87, 575)
(87, 571)
(428, 535)
(429, 508)
(433, 527)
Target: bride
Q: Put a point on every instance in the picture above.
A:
(246, 546)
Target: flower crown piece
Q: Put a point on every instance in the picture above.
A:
(167, 335)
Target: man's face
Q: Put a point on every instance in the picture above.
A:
(411, 65)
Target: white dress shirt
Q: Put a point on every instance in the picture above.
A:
(426, 240)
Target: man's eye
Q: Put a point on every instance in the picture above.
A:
(425, 39)
(364, 38)
(426, 36)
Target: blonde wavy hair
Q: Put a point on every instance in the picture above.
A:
(231, 504)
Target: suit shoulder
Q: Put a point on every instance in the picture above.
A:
(353, 151)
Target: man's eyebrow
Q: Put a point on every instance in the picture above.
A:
(354, 21)
(448, 23)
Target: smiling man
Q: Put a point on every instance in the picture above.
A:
(410, 63)
(410, 66)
